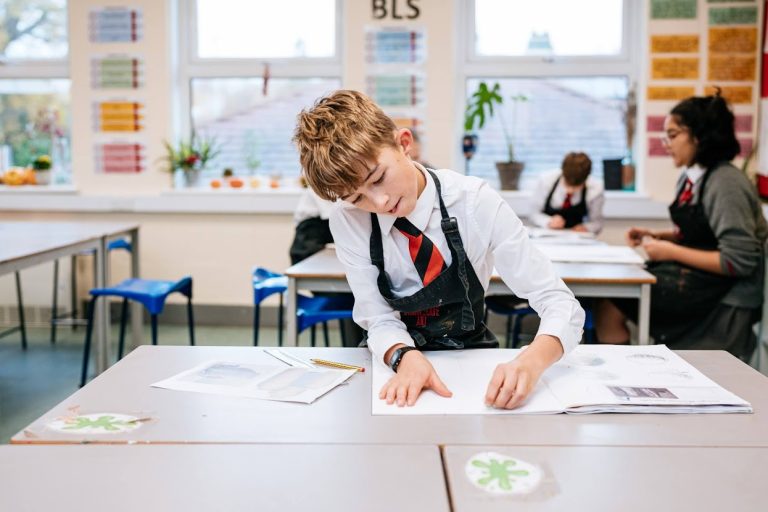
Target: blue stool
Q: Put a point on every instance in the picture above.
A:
(266, 283)
(312, 310)
(70, 318)
(150, 293)
(515, 310)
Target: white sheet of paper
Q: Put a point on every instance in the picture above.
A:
(565, 253)
(254, 380)
(466, 373)
(562, 236)
(592, 378)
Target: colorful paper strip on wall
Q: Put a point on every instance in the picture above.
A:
(673, 9)
(733, 39)
(119, 116)
(686, 68)
(117, 72)
(732, 67)
(120, 158)
(656, 147)
(669, 93)
(115, 25)
(675, 43)
(736, 94)
(396, 90)
(395, 45)
(655, 123)
(733, 15)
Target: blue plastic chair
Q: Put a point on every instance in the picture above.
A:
(266, 283)
(150, 293)
(70, 318)
(313, 310)
(309, 312)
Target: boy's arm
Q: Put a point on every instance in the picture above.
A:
(528, 272)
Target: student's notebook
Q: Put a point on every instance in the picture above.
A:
(591, 379)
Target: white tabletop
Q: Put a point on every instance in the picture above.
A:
(332, 478)
(628, 479)
(344, 415)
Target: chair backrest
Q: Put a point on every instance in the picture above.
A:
(266, 282)
(760, 358)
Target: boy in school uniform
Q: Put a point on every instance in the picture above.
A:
(419, 246)
(569, 198)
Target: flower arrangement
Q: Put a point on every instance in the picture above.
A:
(191, 155)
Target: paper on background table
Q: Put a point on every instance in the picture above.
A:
(558, 233)
(254, 380)
(564, 253)
(590, 379)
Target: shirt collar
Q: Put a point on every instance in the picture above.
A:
(419, 217)
(694, 173)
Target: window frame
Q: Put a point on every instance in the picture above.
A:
(626, 64)
(189, 66)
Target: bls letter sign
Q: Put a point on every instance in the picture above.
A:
(396, 9)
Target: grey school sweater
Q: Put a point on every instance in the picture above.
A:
(736, 217)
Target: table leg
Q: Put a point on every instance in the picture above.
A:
(291, 338)
(644, 315)
(137, 310)
(102, 308)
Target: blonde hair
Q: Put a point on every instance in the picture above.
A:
(337, 138)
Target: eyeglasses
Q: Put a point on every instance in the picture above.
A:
(668, 137)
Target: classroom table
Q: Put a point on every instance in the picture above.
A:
(630, 479)
(343, 416)
(323, 272)
(232, 478)
(26, 244)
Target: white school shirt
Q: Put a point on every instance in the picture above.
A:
(491, 233)
(595, 201)
(693, 173)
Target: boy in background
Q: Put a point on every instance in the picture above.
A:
(569, 198)
(419, 248)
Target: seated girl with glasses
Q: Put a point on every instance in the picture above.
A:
(709, 266)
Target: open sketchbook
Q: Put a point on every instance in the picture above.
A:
(591, 379)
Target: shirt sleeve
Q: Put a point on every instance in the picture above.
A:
(538, 199)
(527, 271)
(371, 311)
(595, 219)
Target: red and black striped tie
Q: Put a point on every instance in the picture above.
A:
(687, 193)
(426, 257)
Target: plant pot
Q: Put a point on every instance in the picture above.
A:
(192, 177)
(509, 174)
(43, 177)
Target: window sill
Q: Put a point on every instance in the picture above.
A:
(618, 205)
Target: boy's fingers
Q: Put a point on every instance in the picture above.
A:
(402, 394)
(391, 390)
(521, 391)
(438, 386)
(507, 389)
(497, 379)
(414, 390)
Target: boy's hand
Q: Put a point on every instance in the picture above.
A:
(658, 250)
(635, 236)
(581, 228)
(414, 374)
(512, 382)
(556, 222)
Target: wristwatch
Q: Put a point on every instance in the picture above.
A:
(397, 356)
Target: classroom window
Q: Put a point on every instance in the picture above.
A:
(243, 83)
(34, 90)
(524, 28)
(577, 72)
(561, 114)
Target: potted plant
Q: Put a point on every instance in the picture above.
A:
(190, 157)
(481, 107)
(42, 166)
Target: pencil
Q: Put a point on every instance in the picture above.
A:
(334, 364)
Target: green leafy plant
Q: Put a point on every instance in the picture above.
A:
(480, 108)
(191, 154)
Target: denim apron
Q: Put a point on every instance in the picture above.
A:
(448, 312)
(574, 215)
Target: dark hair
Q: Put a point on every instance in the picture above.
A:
(576, 168)
(710, 122)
